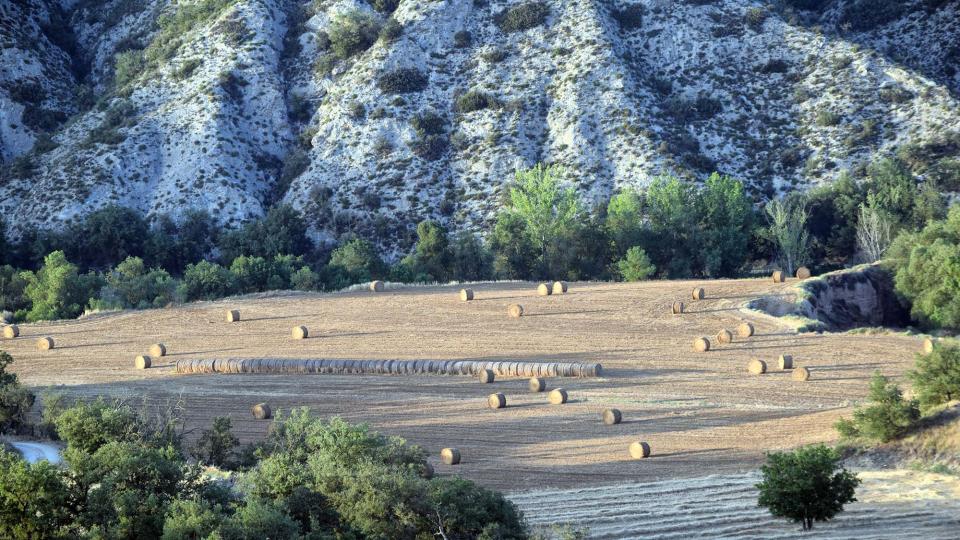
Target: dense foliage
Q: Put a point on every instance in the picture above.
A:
(15, 399)
(125, 476)
(887, 417)
(936, 376)
(806, 485)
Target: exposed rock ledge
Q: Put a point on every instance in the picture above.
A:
(862, 296)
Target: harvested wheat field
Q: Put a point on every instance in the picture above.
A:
(701, 413)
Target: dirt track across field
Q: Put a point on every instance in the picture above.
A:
(701, 413)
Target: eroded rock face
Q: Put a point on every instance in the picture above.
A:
(861, 296)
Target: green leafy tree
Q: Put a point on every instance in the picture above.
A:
(936, 376)
(13, 287)
(547, 213)
(281, 232)
(207, 281)
(172, 246)
(806, 485)
(887, 417)
(673, 228)
(217, 444)
(463, 509)
(191, 519)
(305, 279)
(56, 290)
(833, 211)
(625, 221)
(430, 260)
(787, 231)
(470, 260)
(132, 285)
(15, 399)
(726, 224)
(251, 274)
(514, 256)
(33, 499)
(354, 262)
(87, 426)
(106, 237)
(925, 265)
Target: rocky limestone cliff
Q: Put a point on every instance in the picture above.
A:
(235, 105)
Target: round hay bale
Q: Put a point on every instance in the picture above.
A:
(928, 345)
(639, 450)
(803, 272)
(515, 311)
(485, 376)
(785, 361)
(677, 308)
(559, 287)
(45, 343)
(757, 367)
(800, 374)
(497, 401)
(725, 336)
(701, 344)
(261, 411)
(299, 332)
(11, 331)
(142, 362)
(778, 276)
(233, 315)
(557, 396)
(537, 384)
(158, 350)
(544, 290)
(426, 471)
(745, 330)
(466, 295)
(612, 416)
(698, 293)
(450, 456)
(376, 286)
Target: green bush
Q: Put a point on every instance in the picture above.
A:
(251, 274)
(88, 426)
(428, 123)
(353, 32)
(391, 31)
(827, 118)
(190, 519)
(475, 100)
(128, 65)
(15, 399)
(132, 285)
(806, 485)
(206, 281)
(305, 279)
(217, 444)
(402, 81)
(355, 261)
(936, 376)
(864, 15)
(462, 39)
(522, 17)
(888, 416)
(635, 265)
(106, 237)
(56, 291)
(755, 17)
(384, 6)
(13, 285)
(282, 231)
(470, 259)
(34, 499)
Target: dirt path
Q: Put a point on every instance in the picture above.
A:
(701, 413)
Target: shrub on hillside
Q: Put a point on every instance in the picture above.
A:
(353, 32)
(402, 81)
(522, 17)
(630, 17)
(887, 417)
(128, 65)
(391, 31)
(384, 6)
(865, 15)
(475, 100)
(936, 376)
(806, 485)
(462, 39)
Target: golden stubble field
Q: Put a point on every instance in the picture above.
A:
(702, 413)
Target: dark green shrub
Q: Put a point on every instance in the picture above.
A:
(353, 32)
(402, 81)
(475, 100)
(128, 65)
(630, 17)
(864, 15)
(936, 376)
(354, 262)
(13, 285)
(206, 281)
(15, 399)
(428, 123)
(827, 118)
(186, 69)
(132, 285)
(384, 6)
(282, 231)
(755, 17)
(635, 265)
(888, 416)
(34, 499)
(806, 485)
(391, 30)
(522, 17)
(462, 39)
(775, 65)
(217, 444)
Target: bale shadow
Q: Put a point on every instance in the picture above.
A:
(211, 351)
(84, 345)
(568, 312)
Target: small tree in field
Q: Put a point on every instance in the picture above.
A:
(806, 485)
(936, 377)
(635, 266)
(887, 417)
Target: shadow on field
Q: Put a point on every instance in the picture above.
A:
(585, 311)
(84, 345)
(195, 353)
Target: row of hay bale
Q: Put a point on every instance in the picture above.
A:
(784, 363)
(389, 367)
(12, 331)
(724, 336)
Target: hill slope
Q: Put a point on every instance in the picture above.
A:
(235, 105)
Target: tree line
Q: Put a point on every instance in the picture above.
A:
(672, 229)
